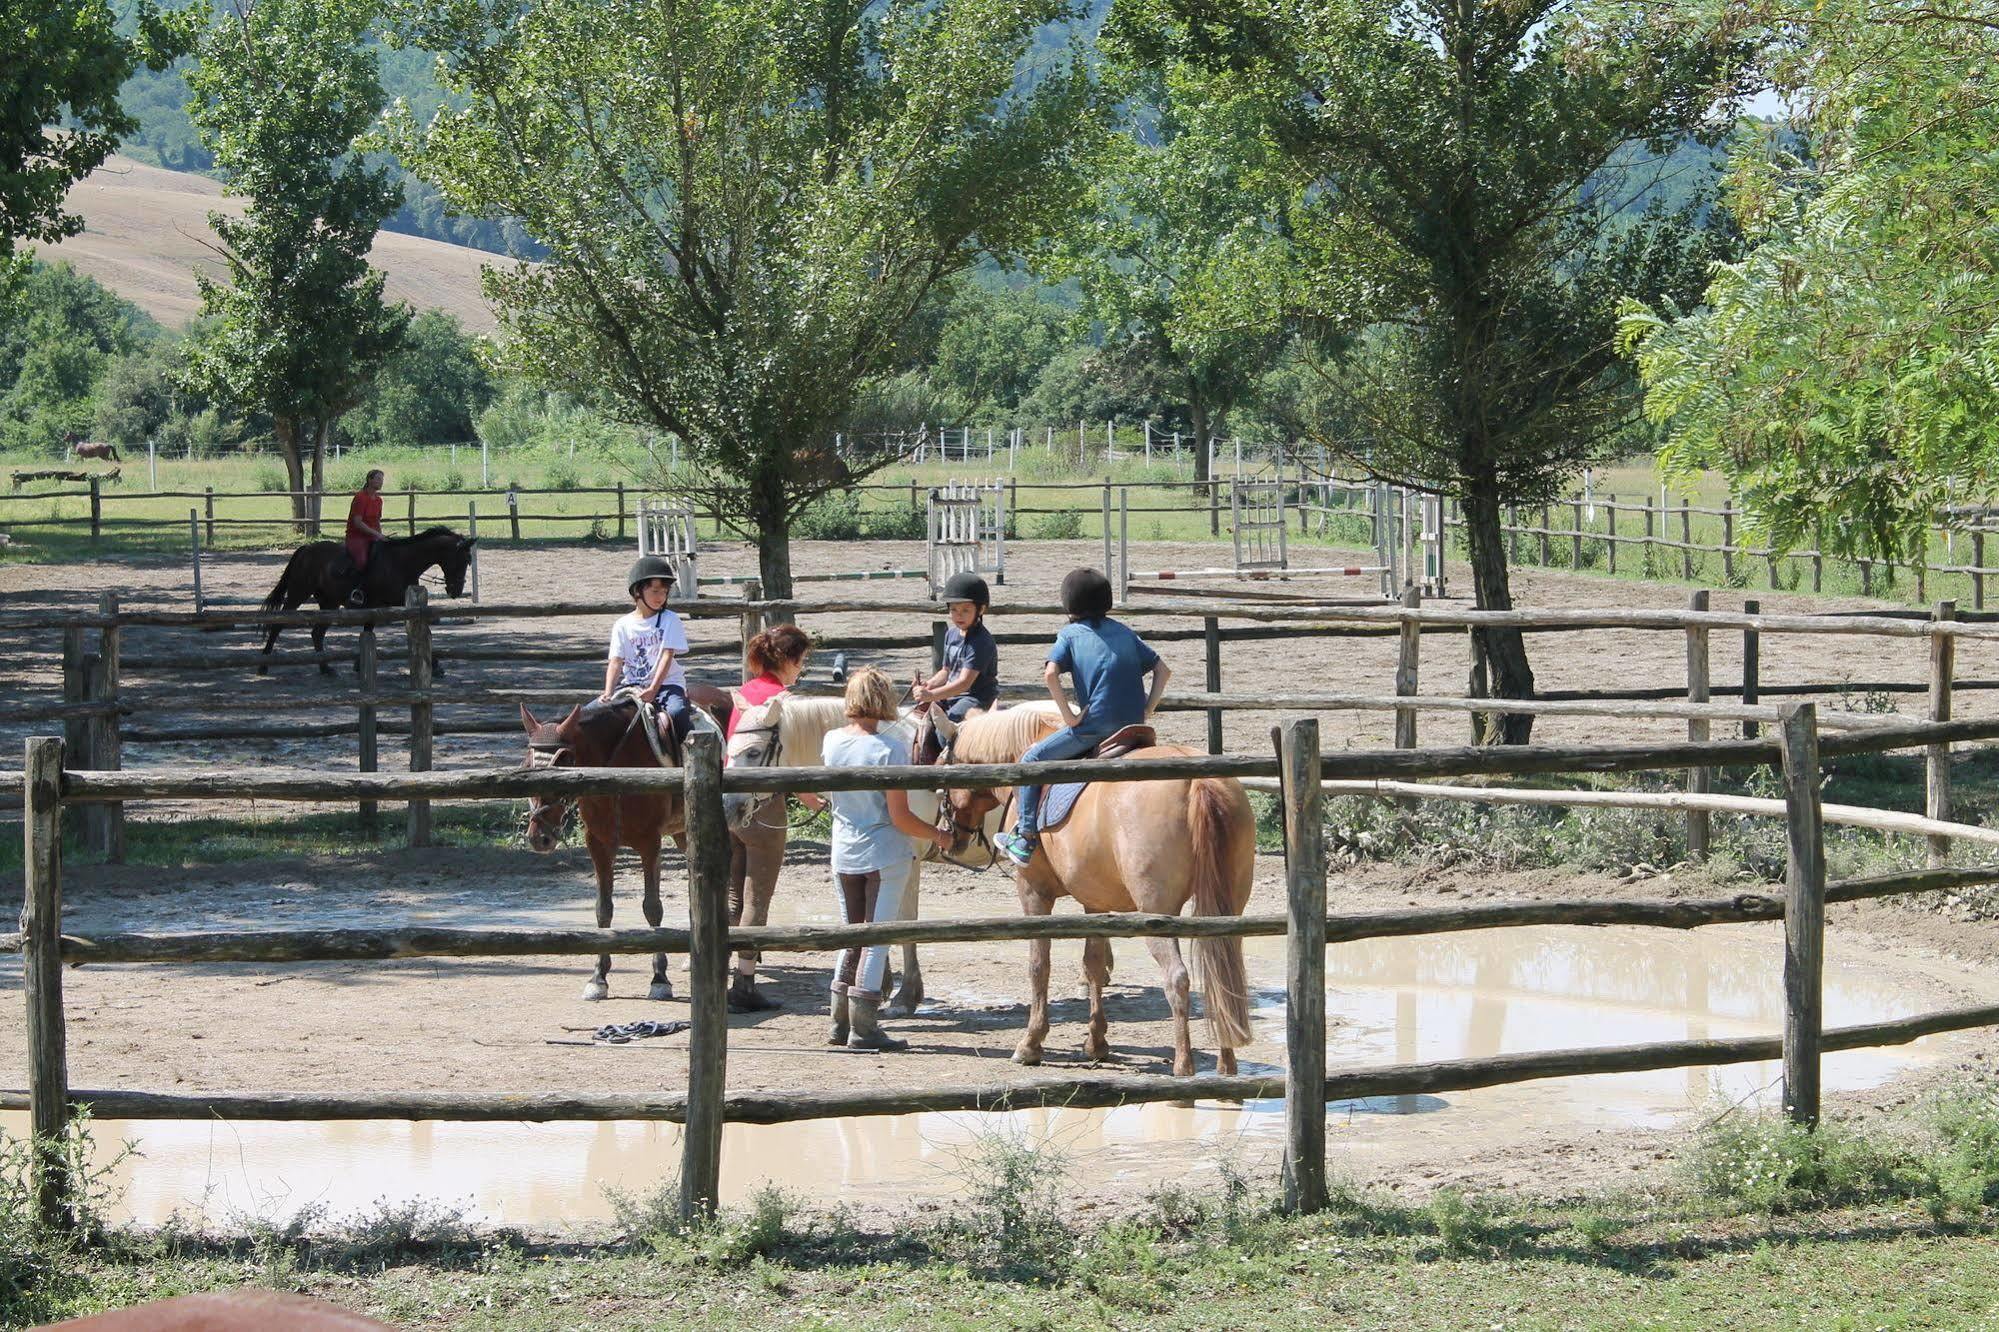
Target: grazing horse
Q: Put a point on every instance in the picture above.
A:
(790, 730)
(80, 447)
(320, 570)
(1126, 846)
(610, 735)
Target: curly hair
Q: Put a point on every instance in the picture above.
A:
(776, 647)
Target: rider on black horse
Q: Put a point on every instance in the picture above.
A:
(364, 529)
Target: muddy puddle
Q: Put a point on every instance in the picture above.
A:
(1394, 1001)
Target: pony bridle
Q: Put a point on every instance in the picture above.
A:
(765, 757)
(540, 807)
(963, 834)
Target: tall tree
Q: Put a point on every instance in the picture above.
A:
(1455, 208)
(1845, 373)
(1181, 244)
(745, 204)
(64, 61)
(283, 93)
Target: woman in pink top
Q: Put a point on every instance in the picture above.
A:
(774, 661)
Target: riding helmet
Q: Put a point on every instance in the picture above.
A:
(1086, 595)
(968, 586)
(646, 568)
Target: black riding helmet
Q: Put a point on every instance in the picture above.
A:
(1086, 595)
(646, 568)
(967, 586)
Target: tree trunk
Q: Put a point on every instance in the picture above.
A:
(1197, 415)
(285, 428)
(318, 475)
(1499, 656)
(771, 511)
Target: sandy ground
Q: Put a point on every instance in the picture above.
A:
(485, 1025)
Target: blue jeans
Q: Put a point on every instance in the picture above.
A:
(673, 705)
(1066, 743)
(960, 707)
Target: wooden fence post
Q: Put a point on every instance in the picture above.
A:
(707, 980)
(1804, 914)
(621, 511)
(96, 510)
(418, 633)
(1687, 540)
(1978, 571)
(1545, 520)
(41, 974)
(1610, 531)
(1211, 642)
(109, 751)
(1305, 967)
(1576, 536)
(1752, 669)
(194, 548)
(410, 495)
(1699, 780)
(208, 515)
(1728, 540)
(1409, 645)
(1649, 562)
(513, 516)
(1936, 758)
(752, 623)
(75, 689)
(938, 628)
(366, 667)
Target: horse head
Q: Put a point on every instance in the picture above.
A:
(550, 745)
(971, 815)
(454, 560)
(756, 743)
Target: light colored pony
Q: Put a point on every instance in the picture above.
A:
(790, 731)
(1127, 846)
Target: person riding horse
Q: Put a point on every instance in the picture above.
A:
(364, 529)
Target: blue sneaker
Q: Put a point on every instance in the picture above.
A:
(1014, 847)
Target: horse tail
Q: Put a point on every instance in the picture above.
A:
(1218, 963)
(276, 601)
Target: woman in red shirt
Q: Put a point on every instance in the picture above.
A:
(364, 529)
(774, 660)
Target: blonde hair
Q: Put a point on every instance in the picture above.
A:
(870, 695)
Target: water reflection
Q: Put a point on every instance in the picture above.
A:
(1397, 1000)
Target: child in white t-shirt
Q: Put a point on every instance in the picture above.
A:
(647, 645)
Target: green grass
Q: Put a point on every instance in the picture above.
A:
(1762, 1227)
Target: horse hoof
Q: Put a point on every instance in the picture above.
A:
(1097, 1054)
(1183, 1069)
(908, 1000)
(596, 989)
(1026, 1058)
(1225, 1063)
(660, 990)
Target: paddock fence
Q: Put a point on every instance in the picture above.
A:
(1795, 750)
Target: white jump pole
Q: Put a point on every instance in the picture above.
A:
(485, 466)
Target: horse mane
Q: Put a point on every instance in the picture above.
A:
(803, 725)
(428, 534)
(1002, 736)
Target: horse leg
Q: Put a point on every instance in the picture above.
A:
(1097, 971)
(662, 988)
(1173, 973)
(270, 641)
(319, 648)
(602, 857)
(1034, 902)
(910, 995)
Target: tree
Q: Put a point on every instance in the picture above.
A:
(1457, 204)
(1180, 246)
(1845, 373)
(429, 392)
(67, 332)
(59, 115)
(992, 345)
(283, 93)
(746, 204)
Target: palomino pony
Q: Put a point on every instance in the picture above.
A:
(1126, 846)
(610, 735)
(790, 730)
(319, 570)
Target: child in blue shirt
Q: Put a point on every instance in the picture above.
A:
(970, 675)
(1108, 663)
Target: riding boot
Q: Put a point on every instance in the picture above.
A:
(867, 1033)
(838, 1033)
(745, 997)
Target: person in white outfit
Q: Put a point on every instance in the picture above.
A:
(872, 857)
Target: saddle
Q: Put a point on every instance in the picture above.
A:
(1057, 802)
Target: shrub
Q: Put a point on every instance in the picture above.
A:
(561, 475)
(896, 522)
(1012, 1220)
(832, 517)
(1064, 526)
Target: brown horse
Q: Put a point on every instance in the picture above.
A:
(80, 447)
(320, 571)
(1127, 846)
(609, 735)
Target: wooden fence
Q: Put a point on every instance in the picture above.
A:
(1795, 750)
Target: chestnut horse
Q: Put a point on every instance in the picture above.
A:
(1126, 846)
(79, 447)
(609, 735)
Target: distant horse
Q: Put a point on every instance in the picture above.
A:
(609, 735)
(80, 447)
(1126, 846)
(789, 730)
(320, 570)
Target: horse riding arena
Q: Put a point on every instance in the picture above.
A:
(504, 1025)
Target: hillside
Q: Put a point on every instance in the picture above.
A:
(146, 231)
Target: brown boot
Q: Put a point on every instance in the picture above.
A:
(867, 1033)
(837, 1035)
(745, 997)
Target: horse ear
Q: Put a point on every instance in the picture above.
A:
(468, 542)
(528, 720)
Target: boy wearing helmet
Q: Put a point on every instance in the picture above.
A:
(970, 675)
(1108, 662)
(647, 645)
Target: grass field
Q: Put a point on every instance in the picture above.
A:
(139, 518)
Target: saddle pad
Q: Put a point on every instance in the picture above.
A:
(1057, 802)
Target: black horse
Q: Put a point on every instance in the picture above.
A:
(322, 570)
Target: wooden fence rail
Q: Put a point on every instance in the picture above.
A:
(706, 1106)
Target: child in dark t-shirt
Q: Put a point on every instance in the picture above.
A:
(969, 677)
